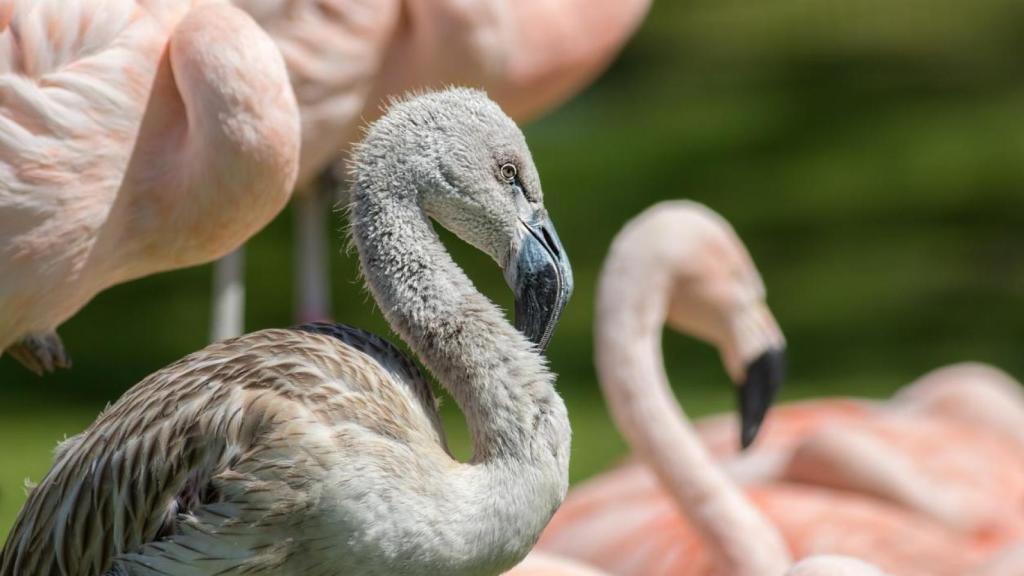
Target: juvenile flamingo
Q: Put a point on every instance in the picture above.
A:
(318, 450)
(346, 58)
(135, 137)
(676, 512)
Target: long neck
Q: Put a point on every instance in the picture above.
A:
(502, 385)
(630, 316)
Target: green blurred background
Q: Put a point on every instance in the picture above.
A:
(871, 155)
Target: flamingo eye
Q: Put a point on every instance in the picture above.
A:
(508, 172)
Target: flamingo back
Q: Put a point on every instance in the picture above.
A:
(130, 143)
(209, 462)
(74, 79)
(624, 522)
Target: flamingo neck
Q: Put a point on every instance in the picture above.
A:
(518, 422)
(630, 316)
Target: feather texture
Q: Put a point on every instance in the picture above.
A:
(318, 450)
(131, 142)
(212, 459)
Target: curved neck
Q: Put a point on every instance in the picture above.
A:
(501, 384)
(630, 316)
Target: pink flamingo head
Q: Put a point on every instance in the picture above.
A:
(680, 262)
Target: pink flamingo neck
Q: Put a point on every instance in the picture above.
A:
(632, 304)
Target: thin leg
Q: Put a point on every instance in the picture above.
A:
(228, 318)
(41, 353)
(313, 278)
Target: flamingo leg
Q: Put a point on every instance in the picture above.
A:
(313, 278)
(228, 319)
(41, 353)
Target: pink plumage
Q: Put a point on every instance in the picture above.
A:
(626, 523)
(135, 137)
(347, 58)
(966, 476)
(674, 511)
(540, 564)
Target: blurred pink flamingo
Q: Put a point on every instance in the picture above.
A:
(973, 393)
(347, 57)
(541, 564)
(977, 394)
(135, 137)
(699, 277)
(943, 447)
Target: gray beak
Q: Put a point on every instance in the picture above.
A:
(764, 378)
(540, 277)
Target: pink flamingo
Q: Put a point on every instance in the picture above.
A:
(982, 396)
(136, 137)
(892, 450)
(977, 394)
(541, 564)
(346, 58)
(699, 277)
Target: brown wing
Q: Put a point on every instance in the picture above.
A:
(204, 452)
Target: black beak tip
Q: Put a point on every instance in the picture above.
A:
(764, 379)
(748, 434)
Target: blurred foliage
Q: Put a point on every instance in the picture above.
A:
(871, 154)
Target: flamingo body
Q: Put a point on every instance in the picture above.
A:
(625, 523)
(136, 137)
(675, 510)
(218, 450)
(977, 394)
(540, 564)
(333, 51)
(962, 475)
(346, 58)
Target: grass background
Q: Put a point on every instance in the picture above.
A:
(871, 154)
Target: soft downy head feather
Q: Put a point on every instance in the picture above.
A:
(468, 167)
(451, 145)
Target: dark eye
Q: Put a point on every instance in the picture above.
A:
(508, 172)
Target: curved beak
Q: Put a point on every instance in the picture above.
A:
(539, 274)
(764, 378)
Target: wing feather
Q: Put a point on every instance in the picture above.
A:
(213, 461)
